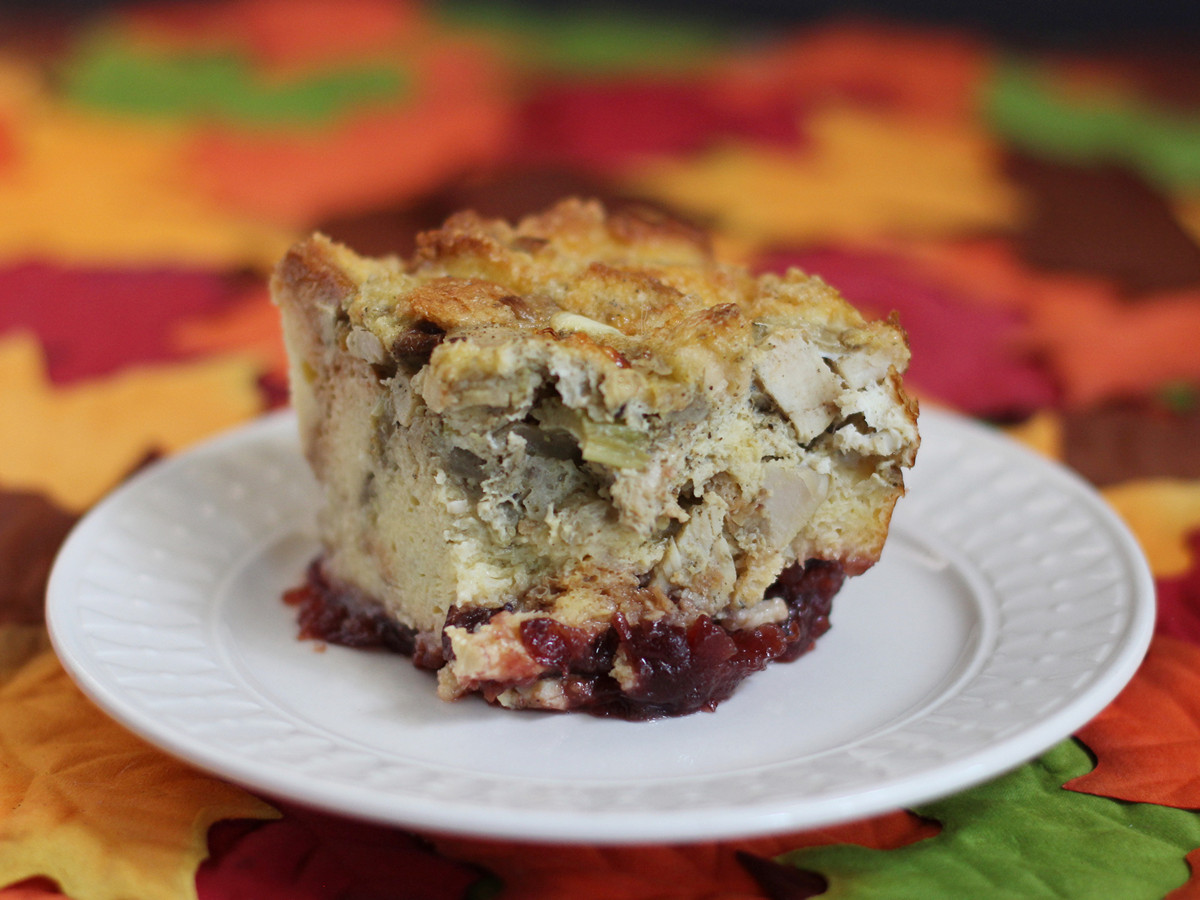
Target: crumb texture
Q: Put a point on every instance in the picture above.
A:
(586, 420)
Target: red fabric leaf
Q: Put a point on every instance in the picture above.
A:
(603, 125)
(308, 855)
(32, 889)
(964, 353)
(1099, 346)
(1179, 599)
(93, 321)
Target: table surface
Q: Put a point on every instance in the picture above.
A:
(1031, 212)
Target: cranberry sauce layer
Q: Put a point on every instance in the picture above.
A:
(677, 669)
(340, 614)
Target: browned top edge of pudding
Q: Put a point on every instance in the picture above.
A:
(628, 290)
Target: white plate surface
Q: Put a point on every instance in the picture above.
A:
(1009, 607)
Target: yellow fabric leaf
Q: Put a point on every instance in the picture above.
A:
(864, 175)
(1041, 432)
(86, 188)
(91, 806)
(1160, 512)
(74, 443)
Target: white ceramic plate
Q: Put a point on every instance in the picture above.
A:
(1009, 607)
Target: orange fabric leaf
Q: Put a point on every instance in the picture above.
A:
(277, 32)
(6, 145)
(1099, 345)
(920, 72)
(250, 327)
(22, 90)
(1104, 348)
(1148, 740)
(124, 417)
(91, 806)
(372, 161)
(662, 872)
(460, 118)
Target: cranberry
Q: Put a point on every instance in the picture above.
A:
(563, 648)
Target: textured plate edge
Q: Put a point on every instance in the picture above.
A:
(1143, 614)
(673, 826)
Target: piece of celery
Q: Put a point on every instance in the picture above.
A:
(613, 445)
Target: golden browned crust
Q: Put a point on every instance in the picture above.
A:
(631, 289)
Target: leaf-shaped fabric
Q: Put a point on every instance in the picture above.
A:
(1022, 837)
(91, 806)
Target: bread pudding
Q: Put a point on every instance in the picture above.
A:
(577, 463)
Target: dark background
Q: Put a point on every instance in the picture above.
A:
(1057, 21)
(1026, 21)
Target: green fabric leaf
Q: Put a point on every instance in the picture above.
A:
(110, 74)
(1022, 836)
(603, 40)
(1022, 106)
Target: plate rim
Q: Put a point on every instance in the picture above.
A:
(619, 827)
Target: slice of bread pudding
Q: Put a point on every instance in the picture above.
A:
(579, 464)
